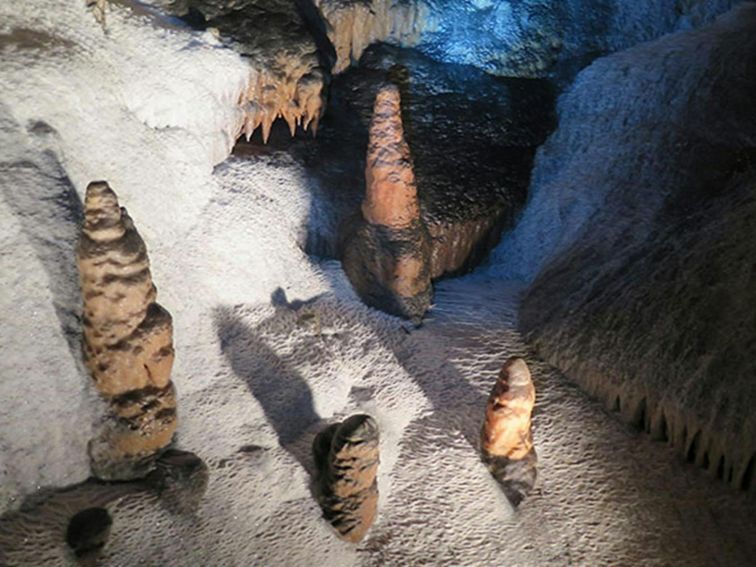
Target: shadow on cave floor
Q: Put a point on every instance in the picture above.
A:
(589, 462)
(281, 390)
(473, 139)
(35, 533)
(51, 214)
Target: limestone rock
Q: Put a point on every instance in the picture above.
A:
(287, 78)
(386, 254)
(128, 338)
(650, 309)
(506, 438)
(346, 457)
(353, 25)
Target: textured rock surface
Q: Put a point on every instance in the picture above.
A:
(99, 9)
(527, 38)
(386, 254)
(346, 457)
(287, 77)
(128, 337)
(390, 188)
(640, 230)
(506, 437)
(606, 495)
(461, 125)
(353, 25)
(506, 429)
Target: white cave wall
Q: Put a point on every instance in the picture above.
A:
(638, 238)
(151, 109)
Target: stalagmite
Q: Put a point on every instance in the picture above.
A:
(346, 457)
(506, 438)
(386, 254)
(128, 338)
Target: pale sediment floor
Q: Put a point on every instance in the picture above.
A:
(606, 495)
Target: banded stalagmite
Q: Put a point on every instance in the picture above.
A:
(346, 458)
(386, 252)
(128, 340)
(506, 437)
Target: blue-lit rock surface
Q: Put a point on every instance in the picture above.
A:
(527, 37)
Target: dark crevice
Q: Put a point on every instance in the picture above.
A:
(663, 428)
(639, 419)
(720, 468)
(747, 482)
(690, 455)
(88, 531)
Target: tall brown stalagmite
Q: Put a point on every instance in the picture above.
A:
(128, 338)
(390, 187)
(346, 456)
(386, 254)
(354, 25)
(506, 438)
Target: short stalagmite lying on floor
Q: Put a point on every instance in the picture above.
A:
(346, 458)
(128, 339)
(506, 438)
(386, 252)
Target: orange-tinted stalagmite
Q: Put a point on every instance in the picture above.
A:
(128, 339)
(386, 254)
(347, 456)
(506, 438)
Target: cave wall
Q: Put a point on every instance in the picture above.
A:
(518, 38)
(527, 37)
(638, 239)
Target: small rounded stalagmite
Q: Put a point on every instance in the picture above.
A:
(128, 339)
(506, 438)
(346, 458)
(386, 251)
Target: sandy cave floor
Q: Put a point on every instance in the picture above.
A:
(606, 495)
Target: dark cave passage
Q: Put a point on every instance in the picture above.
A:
(472, 137)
